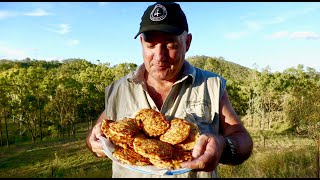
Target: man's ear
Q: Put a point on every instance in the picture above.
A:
(188, 41)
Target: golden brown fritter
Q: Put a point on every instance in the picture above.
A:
(178, 157)
(191, 140)
(153, 122)
(116, 138)
(105, 127)
(123, 141)
(179, 131)
(129, 156)
(152, 148)
(125, 127)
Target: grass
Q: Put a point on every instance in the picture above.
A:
(65, 159)
(273, 156)
(53, 157)
(276, 156)
(275, 163)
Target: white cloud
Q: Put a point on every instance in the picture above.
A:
(295, 35)
(305, 35)
(248, 15)
(37, 12)
(280, 34)
(303, 11)
(276, 20)
(11, 53)
(293, 14)
(60, 28)
(254, 25)
(73, 42)
(103, 3)
(19, 54)
(7, 14)
(236, 35)
(49, 58)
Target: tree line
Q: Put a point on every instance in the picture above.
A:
(291, 96)
(49, 98)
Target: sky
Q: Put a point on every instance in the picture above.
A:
(257, 35)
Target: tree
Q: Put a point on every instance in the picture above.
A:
(5, 107)
(302, 102)
(123, 69)
(94, 80)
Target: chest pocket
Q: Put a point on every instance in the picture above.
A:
(199, 111)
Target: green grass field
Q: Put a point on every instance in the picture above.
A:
(273, 157)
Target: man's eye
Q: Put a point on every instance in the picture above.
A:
(172, 46)
(149, 45)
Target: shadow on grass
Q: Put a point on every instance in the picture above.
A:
(55, 159)
(27, 157)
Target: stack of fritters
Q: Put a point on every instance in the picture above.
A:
(149, 139)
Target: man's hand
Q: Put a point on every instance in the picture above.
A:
(92, 140)
(206, 153)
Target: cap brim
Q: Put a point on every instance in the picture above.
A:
(162, 28)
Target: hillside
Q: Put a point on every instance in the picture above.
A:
(219, 65)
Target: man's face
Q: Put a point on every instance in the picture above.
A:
(164, 54)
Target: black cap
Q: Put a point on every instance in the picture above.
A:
(164, 16)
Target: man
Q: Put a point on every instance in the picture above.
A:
(167, 83)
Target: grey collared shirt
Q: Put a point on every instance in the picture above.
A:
(194, 97)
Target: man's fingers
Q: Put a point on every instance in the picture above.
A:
(95, 145)
(97, 149)
(204, 154)
(200, 146)
(197, 153)
(100, 153)
(194, 164)
(97, 130)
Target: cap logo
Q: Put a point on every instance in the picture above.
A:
(158, 13)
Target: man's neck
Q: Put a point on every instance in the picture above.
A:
(158, 90)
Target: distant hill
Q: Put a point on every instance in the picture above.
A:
(219, 65)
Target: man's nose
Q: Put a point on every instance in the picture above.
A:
(160, 53)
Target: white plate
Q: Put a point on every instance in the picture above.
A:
(108, 148)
